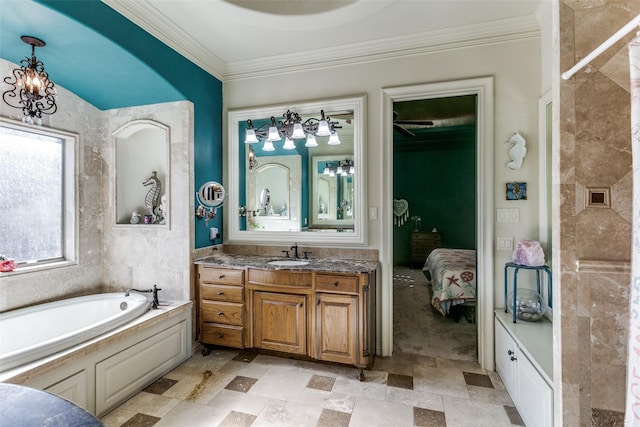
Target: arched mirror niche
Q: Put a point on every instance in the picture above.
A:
(344, 223)
(142, 174)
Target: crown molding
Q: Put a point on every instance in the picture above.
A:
(143, 14)
(390, 48)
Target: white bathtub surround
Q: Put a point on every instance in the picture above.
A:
(106, 370)
(56, 326)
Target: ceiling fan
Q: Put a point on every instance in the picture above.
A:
(406, 132)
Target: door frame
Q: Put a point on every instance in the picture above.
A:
(482, 87)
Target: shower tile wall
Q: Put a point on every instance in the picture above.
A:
(593, 242)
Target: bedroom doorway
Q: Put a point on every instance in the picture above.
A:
(434, 187)
(482, 88)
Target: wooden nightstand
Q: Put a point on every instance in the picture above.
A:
(421, 246)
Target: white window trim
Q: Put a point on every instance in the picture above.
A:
(70, 188)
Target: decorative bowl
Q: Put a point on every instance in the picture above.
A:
(530, 305)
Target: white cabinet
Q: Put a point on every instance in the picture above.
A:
(525, 380)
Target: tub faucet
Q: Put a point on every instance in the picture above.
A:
(154, 301)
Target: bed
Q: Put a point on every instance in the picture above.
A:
(452, 273)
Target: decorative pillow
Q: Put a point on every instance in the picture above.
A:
(529, 253)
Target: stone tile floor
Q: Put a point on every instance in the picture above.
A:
(237, 388)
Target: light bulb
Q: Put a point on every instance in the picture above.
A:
(323, 128)
(250, 136)
(288, 144)
(268, 146)
(274, 135)
(311, 141)
(298, 132)
(333, 139)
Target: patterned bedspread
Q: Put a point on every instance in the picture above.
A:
(452, 273)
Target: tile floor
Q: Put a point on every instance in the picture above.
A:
(237, 388)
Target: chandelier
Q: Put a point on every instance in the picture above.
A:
(292, 127)
(32, 90)
(342, 168)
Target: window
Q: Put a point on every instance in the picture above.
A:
(37, 188)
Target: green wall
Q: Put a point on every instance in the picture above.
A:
(435, 171)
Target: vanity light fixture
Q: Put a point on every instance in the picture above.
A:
(342, 168)
(31, 91)
(291, 128)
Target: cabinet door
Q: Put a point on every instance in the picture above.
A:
(505, 351)
(535, 396)
(280, 322)
(337, 327)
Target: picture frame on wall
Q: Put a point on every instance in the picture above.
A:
(516, 191)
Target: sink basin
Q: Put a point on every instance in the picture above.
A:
(288, 262)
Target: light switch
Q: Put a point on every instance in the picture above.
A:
(373, 212)
(505, 244)
(508, 215)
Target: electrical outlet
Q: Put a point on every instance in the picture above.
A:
(213, 233)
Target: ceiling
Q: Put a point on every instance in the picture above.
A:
(233, 39)
(238, 39)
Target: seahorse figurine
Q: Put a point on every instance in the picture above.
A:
(151, 199)
(517, 152)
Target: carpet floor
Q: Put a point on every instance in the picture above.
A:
(420, 329)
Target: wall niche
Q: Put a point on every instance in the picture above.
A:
(142, 174)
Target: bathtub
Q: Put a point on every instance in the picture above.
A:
(32, 333)
(101, 372)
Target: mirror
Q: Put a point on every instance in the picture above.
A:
(295, 179)
(333, 195)
(211, 194)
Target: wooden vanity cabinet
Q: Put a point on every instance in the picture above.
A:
(324, 315)
(278, 309)
(343, 326)
(221, 308)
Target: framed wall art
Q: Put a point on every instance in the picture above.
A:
(516, 191)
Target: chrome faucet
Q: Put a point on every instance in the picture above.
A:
(154, 301)
(294, 248)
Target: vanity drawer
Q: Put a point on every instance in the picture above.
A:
(222, 292)
(336, 283)
(230, 336)
(230, 313)
(222, 276)
(280, 278)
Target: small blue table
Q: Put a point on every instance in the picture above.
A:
(518, 267)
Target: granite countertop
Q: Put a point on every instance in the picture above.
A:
(319, 264)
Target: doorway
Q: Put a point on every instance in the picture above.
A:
(434, 182)
(483, 89)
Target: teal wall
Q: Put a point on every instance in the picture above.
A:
(435, 171)
(102, 57)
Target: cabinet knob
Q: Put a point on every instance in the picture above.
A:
(219, 335)
(509, 352)
(222, 276)
(335, 285)
(513, 358)
(220, 313)
(220, 293)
